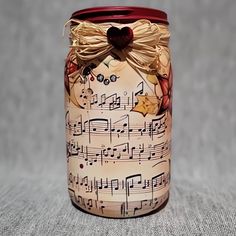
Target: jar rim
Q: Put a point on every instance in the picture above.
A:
(120, 14)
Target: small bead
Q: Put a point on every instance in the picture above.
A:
(113, 78)
(106, 81)
(100, 78)
(86, 71)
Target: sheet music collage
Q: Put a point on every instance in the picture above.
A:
(118, 136)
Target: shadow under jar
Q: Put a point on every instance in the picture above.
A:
(118, 111)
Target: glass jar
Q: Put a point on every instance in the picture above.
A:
(118, 111)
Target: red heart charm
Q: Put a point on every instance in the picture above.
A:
(120, 38)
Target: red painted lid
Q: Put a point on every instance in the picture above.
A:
(120, 14)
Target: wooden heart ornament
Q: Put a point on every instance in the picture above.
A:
(120, 38)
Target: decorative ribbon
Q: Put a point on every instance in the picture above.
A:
(147, 51)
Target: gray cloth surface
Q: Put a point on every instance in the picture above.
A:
(33, 187)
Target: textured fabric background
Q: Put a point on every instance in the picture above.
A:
(33, 190)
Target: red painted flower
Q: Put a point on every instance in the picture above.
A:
(70, 67)
(166, 86)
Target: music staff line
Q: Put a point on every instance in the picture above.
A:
(120, 128)
(133, 184)
(111, 102)
(118, 153)
(133, 208)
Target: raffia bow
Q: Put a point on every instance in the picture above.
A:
(148, 51)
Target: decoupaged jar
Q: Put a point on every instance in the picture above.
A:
(118, 111)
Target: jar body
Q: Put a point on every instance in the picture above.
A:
(118, 134)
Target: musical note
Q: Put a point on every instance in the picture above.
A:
(73, 181)
(90, 203)
(157, 127)
(129, 183)
(157, 181)
(146, 184)
(93, 101)
(122, 126)
(114, 185)
(75, 127)
(140, 91)
(81, 201)
(143, 203)
(84, 181)
(113, 101)
(96, 126)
